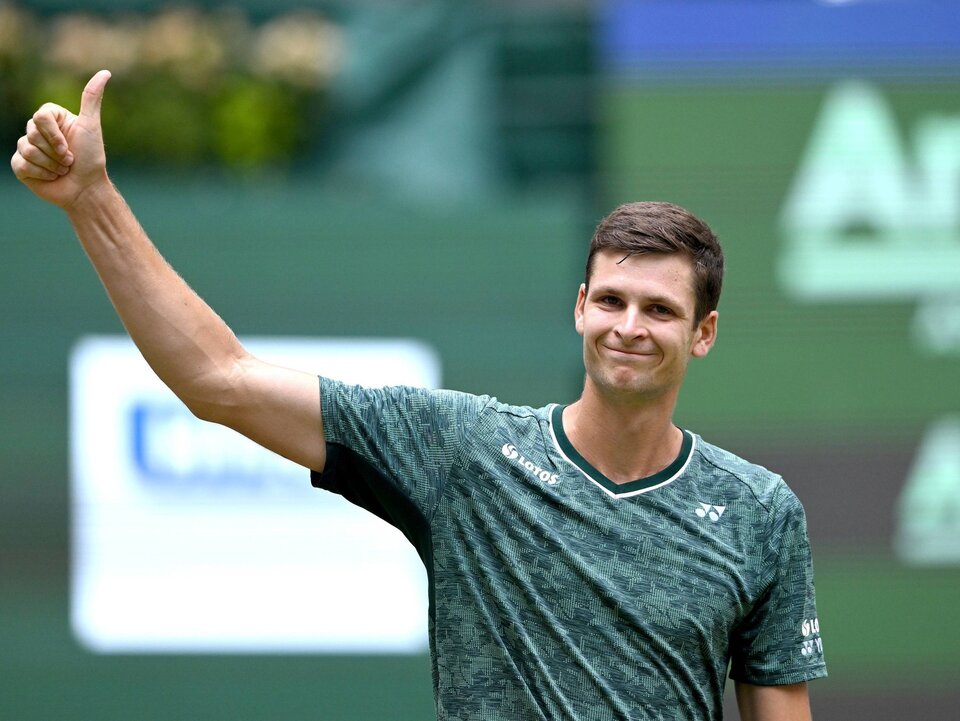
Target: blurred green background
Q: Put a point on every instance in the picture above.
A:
(433, 170)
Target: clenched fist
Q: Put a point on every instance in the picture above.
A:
(61, 156)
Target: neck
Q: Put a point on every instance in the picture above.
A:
(624, 441)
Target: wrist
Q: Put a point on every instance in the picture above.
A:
(91, 199)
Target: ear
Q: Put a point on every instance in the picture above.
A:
(705, 335)
(578, 309)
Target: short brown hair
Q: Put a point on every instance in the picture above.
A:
(653, 227)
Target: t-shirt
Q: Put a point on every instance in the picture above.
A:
(558, 594)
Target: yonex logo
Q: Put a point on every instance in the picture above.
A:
(511, 452)
(712, 512)
(813, 646)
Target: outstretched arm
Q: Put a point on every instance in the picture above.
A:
(61, 159)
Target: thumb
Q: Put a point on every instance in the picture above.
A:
(92, 96)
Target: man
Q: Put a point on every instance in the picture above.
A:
(589, 561)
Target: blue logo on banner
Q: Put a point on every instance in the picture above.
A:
(172, 448)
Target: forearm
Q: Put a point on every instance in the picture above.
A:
(61, 159)
(185, 342)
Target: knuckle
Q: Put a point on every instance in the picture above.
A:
(46, 116)
(17, 164)
(33, 134)
(32, 155)
(23, 145)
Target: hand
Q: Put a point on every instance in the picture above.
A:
(62, 156)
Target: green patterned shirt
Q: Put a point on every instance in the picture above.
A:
(558, 594)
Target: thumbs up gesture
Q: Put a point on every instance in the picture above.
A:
(61, 155)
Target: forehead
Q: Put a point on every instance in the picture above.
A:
(668, 275)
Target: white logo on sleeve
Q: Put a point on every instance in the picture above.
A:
(812, 644)
(511, 452)
(707, 510)
(810, 626)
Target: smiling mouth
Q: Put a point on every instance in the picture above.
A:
(633, 353)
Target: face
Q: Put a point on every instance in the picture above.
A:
(636, 319)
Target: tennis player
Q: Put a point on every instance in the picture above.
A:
(587, 561)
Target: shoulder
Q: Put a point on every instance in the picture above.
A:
(507, 411)
(768, 488)
(410, 396)
(340, 400)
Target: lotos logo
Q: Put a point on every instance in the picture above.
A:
(511, 452)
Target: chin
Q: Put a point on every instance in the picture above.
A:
(623, 387)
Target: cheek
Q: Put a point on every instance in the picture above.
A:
(679, 344)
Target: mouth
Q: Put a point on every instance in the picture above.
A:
(628, 353)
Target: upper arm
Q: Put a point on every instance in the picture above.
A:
(276, 407)
(773, 703)
(778, 640)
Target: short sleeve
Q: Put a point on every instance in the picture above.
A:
(779, 641)
(396, 443)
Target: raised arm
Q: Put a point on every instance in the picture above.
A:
(61, 159)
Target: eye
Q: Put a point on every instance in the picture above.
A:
(659, 309)
(609, 300)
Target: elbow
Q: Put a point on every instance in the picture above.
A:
(215, 398)
(205, 411)
(217, 406)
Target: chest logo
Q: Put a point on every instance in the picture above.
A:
(707, 510)
(510, 451)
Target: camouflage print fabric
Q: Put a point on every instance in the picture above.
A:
(557, 594)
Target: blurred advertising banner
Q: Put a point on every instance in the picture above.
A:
(873, 219)
(802, 39)
(187, 537)
(822, 140)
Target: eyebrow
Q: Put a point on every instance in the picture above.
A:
(665, 300)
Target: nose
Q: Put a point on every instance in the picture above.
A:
(630, 325)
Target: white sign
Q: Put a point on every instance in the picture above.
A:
(187, 537)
